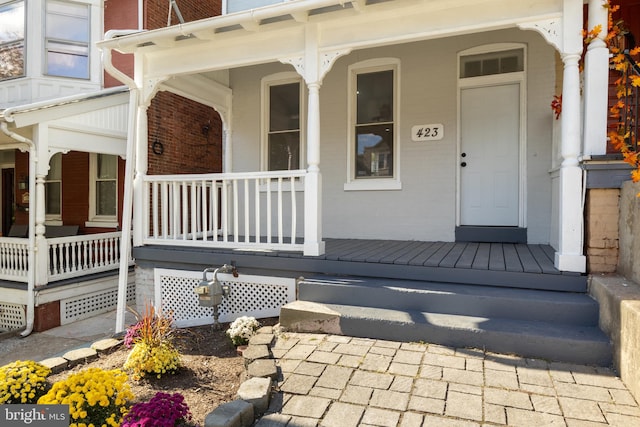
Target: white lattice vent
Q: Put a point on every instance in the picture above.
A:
(12, 316)
(257, 296)
(88, 305)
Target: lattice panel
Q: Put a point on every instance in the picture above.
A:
(87, 305)
(257, 296)
(12, 316)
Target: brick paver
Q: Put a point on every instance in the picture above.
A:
(338, 381)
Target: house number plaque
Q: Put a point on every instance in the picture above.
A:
(433, 132)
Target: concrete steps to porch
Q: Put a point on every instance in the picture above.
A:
(558, 326)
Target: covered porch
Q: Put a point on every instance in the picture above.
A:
(286, 210)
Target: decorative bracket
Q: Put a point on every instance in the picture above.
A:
(327, 59)
(550, 29)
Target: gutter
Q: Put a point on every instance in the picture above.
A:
(31, 271)
(247, 19)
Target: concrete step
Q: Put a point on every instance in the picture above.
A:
(448, 298)
(547, 340)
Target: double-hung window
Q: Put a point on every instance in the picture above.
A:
(67, 39)
(12, 24)
(53, 189)
(373, 146)
(103, 190)
(282, 146)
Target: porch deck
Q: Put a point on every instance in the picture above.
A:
(491, 264)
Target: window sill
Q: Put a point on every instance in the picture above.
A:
(101, 224)
(52, 222)
(373, 185)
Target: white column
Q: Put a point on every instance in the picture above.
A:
(313, 244)
(569, 256)
(140, 197)
(596, 83)
(38, 203)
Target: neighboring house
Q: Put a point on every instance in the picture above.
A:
(63, 154)
(375, 121)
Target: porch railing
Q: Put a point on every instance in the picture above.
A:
(76, 256)
(14, 254)
(256, 210)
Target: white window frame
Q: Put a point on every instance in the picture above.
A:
(371, 183)
(104, 221)
(46, 40)
(54, 219)
(266, 83)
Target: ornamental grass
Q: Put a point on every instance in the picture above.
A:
(23, 381)
(152, 349)
(95, 397)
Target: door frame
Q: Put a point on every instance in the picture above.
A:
(487, 81)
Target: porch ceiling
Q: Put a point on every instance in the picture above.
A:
(281, 31)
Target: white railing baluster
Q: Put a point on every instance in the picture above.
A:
(154, 209)
(247, 219)
(257, 213)
(226, 207)
(269, 230)
(194, 211)
(204, 213)
(235, 210)
(294, 211)
(225, 211)
(280, 228)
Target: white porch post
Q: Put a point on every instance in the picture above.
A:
(313, 244)
(140, 220)
(37, 203)
(569, 256)
(596, 83)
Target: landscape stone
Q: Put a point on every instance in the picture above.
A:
(237, 413)
(80, 355)
(256, 391)
(265, 368)
(105, 344)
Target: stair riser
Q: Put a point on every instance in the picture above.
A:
(582, 311)
(550, 348)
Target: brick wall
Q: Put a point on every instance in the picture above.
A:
(601, 234)
(184, 136)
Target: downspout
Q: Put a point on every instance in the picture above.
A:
(127, 203)
(31, 271)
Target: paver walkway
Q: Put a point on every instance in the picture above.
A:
(330, 380)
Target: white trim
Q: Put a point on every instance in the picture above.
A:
(53, 219)
(492, 80)
(368, 66)
(99, 220)
(277, 80)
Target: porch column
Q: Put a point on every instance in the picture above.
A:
(569, 256)
(596, 83)
(37, 202)
(313, 244)
(140, 219)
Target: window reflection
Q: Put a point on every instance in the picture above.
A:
(12, 40)
(67, 32)
(374, 127)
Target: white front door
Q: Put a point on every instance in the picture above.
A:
(489, 155)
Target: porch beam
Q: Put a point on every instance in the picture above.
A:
(379, 24)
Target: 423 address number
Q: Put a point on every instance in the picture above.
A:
(432, 132)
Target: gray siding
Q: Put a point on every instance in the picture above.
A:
(425, 207)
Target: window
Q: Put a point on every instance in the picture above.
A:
(12, 24)
(67, 39)
(373, 147)
(283, 148)
(486, 64)
(53, 189)
(103, 192)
